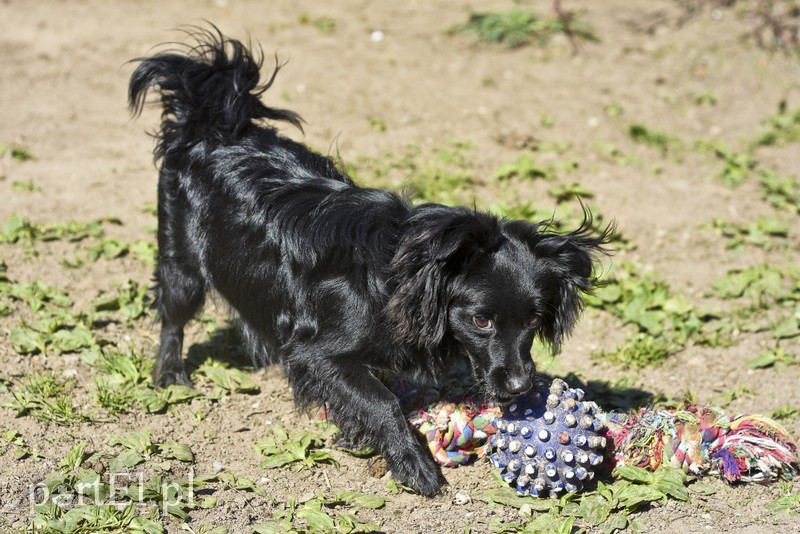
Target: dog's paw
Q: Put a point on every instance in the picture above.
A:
(166, 378)
(417, 471)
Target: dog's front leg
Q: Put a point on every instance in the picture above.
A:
(363, 408)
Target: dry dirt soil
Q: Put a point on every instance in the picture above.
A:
(684, 68)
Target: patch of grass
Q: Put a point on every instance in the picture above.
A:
(155, 400)
(444, 175)
(19, 229)
(736, 166)
(789, 502)
(766, 232)
(113, 400)
(55, 328)
(324, 514)
(63, 509)
(236, 483)
(524, 167)
(518, 27)
(568, 192)
(725, 398)
(705, 99)
(762, 285)
(780, 129)
(44, 397)
(787, 411)
(613, 153)
(607, 508)
(666, 143)
(324, 24)
(53, 519)
(664, 322)
(772, 358)
(131, 301)
(782, 192)
(14, 440)
(26, 186)
(15, 152)
(225, 380)
(377, 124)
(279, 448)
(640, 350)
(138, 447)
(36, 295)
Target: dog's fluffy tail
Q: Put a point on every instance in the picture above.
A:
(209, 92)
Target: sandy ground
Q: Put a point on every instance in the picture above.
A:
(63, 74)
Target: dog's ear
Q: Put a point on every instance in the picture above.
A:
(569, 260)
(437, 245)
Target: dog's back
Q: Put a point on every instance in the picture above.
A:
(242, 209)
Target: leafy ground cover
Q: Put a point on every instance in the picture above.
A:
(639, 110)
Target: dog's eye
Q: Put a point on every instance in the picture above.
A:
(534, 322)
(482, 322)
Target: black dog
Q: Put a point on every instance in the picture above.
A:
(340, 283)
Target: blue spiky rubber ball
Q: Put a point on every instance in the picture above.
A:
(549, 442)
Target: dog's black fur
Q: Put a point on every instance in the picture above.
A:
(342, 284)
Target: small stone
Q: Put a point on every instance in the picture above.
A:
(461, 499)
(377, 467)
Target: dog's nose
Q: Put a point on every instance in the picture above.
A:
(518, 385)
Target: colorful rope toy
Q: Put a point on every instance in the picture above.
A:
(549, 445)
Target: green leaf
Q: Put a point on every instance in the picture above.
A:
(509, 497)
(136, 441)
(315, 518)
(636, 494)
(614, 523)
(175, 450)
(72, 340)
(767, 359)
(27, 341)
(787, 329)
(75, 457)
(634, 474)
(671, 481)
(362, 500)
(594, 509)
(126, 459)
(787, 503)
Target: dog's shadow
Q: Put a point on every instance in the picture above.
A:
(223, 345)
(613, 397)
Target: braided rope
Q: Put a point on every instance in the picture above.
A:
(747, 448)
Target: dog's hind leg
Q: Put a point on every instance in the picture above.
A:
(181, 287)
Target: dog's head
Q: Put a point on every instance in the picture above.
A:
(489, 287)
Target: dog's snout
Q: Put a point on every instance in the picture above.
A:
(517, 385)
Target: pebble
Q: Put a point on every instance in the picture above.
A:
(461, 499)
(218, 466)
